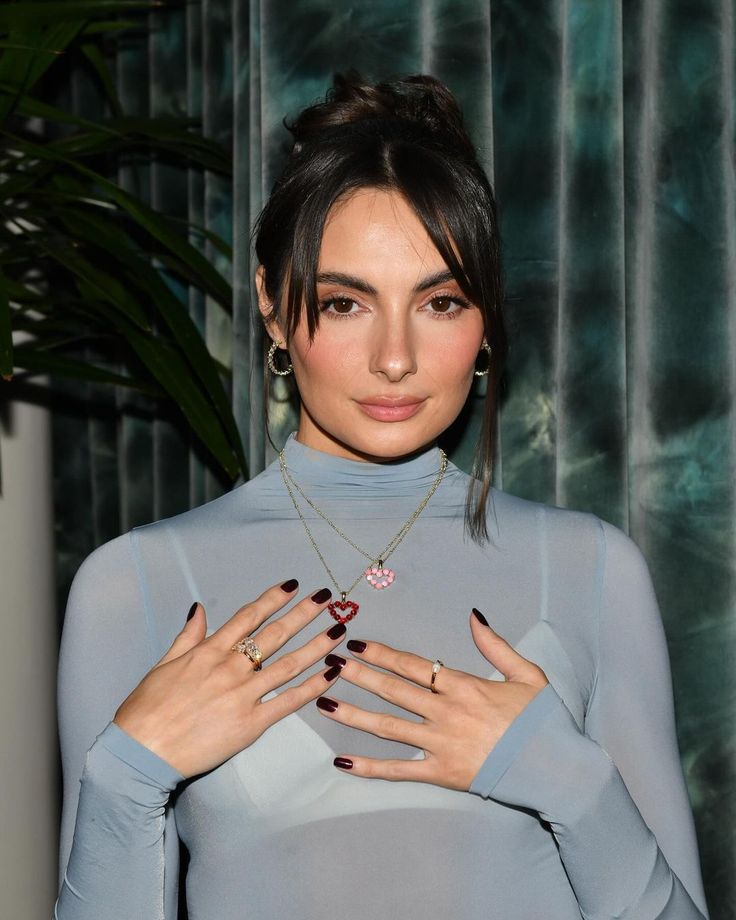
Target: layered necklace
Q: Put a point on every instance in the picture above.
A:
(376, 574)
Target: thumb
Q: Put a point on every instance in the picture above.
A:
(496, 649)
(191, 634)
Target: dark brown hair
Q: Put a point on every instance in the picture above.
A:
(406, 134)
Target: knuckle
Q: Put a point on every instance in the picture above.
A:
(404, 661)
(388, 725)
(276, 633)
(384, 685)
(244, 613)
(291, 699)
(287, 667)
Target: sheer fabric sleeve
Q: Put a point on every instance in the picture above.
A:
(614, 795)
(112, 859)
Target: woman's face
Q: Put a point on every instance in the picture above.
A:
(392, 360)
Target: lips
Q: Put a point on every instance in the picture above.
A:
(391, 409)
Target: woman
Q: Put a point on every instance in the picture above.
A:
(534, 774)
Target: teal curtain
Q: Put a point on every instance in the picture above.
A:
(607, 128)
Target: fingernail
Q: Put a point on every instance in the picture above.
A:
(331, 675)
(324, 594)
(336, 661)
(339, 629)
(327, 704)
(355, 645)
(291, 585)
(344, 762)
(479, 616)
(191, 611)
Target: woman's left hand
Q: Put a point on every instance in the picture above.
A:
(461, 722)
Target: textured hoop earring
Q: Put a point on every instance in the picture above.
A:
(485, 347)
(272, 365)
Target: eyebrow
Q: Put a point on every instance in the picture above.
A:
(358, 284)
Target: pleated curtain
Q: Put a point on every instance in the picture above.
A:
(607, 129)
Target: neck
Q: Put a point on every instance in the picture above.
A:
(329, 474)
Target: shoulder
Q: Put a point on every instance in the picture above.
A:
(570, 525)
(528, 519)
(118, 558)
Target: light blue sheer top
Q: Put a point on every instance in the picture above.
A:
(580, 810)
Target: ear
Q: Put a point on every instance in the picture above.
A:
(273, 327)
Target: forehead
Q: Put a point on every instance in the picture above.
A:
(376, 231)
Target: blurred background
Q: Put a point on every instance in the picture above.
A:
(139, 145)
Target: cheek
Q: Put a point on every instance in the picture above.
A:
(451, 360)
(325, 363)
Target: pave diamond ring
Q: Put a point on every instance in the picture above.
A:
(435, 671)
(248, 647)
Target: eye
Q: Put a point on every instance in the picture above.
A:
(445, 305)
(338, 306)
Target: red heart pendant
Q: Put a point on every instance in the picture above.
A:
(334, 606)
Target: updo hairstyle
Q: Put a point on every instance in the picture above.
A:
(407, 135)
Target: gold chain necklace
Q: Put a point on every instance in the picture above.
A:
(377, 575)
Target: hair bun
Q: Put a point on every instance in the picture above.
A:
(418, 99)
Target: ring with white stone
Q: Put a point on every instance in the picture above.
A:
(248, 647)
(435, 671)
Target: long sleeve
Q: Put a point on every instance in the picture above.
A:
(113, 862)
(613, 795)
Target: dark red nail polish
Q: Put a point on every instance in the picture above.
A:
(344, 762)
(355, 645)
(324, 594)
(479, 617)
(191, 611)
(327, 704)
(336, 661)
(291, 585)
(339, 629)
(332, 674)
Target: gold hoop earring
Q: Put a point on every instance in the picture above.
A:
(272, 365)
(485, 347)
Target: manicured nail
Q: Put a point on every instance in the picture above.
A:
(479, 616)
(335, 661)
(339, 629)
(191, 611)
(291, 585)
(344, 762)
(355, 645)
(324, 594)
(326, 703)
(331, 675)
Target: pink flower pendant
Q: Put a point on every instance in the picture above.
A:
(379, 577)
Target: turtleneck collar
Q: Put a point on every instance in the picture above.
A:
(318, 471)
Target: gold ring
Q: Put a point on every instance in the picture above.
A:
(435, 671)
(248, 647)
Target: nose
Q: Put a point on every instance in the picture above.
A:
(394, 350)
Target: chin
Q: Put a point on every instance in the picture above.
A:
(390, 440)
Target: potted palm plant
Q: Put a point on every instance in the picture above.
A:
(87, 267)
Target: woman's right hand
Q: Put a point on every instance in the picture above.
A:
(201, 703)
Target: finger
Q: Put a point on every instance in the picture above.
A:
(191, 634)
(286, 667)
(392, 689)
(277, 633)
(405, 664)
(381, 724)
(394, 770)
(294, 698)
(251, 615)
(500, 653)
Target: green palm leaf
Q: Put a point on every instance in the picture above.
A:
(85, 263)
